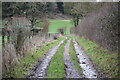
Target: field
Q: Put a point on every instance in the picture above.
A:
(56, 24)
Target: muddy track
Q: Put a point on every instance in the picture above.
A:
(86, 64)
(71, 72)
(40, 72)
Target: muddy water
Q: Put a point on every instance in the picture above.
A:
(71, 72)
(40, 72)
(88, 68)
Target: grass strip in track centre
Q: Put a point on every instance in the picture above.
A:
(26, 63)
(104, 59)
(56, 67)
(74, 59)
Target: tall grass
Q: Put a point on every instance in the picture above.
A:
(26, 63)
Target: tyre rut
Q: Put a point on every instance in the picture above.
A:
(40, 72)
(89, 69)
(71, 72)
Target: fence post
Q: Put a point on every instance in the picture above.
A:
(3, 36)
(8, 36)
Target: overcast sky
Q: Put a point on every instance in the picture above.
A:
(60, 0)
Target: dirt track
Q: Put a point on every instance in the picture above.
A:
(71, 72)
(89, 69)
(40, 72)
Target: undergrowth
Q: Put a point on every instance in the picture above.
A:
(21, 69)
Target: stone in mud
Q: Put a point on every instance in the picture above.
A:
(32, 74)
(83, 63)
(40, 75)
(77, 54)
(65, 65)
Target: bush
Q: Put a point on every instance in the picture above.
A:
(101, 26)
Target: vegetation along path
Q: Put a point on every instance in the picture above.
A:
(71, 72)
(86, 64)
(40, 72)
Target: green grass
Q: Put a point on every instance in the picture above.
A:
(56, 24)
(1, 40)
(21, 69)
(74, 59)
(56, 68)
(71, 36)
(38, 24)
(104, 59)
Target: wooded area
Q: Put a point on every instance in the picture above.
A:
(99, 23)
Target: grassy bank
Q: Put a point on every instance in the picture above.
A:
(56, 68)
(26, 63)
(74, 58)
(104, 59)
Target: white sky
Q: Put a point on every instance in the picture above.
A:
(107, 0)
(60, 0)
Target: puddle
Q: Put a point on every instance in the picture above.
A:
(71, 72)
(88, 70)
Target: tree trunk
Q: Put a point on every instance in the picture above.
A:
(3, 42)
(8, 36)
(3, 36)
(77, 20)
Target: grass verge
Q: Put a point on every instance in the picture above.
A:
(26, 64)
(104, 59)
(56, 68)
(74, 59)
